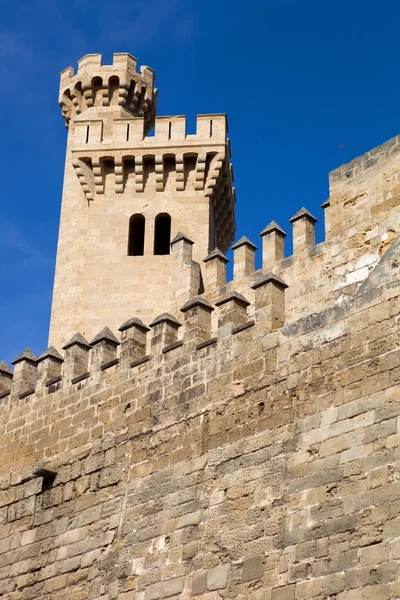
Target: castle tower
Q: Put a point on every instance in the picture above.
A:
(128, 194)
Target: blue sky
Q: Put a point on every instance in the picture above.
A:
(298, 79)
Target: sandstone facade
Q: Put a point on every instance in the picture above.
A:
(245, 443)
(113, 172)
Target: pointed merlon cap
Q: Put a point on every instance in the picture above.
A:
(244, 241)
(166, 318)
(180, 236)
(303, 213)
(134, 322)
(270, 278)
(25, 355)
(5, 369)
(235, 297)
(216, 253)
(273, 226)
(326, 204)
(105, 335)
(51, 352)
(77, 340)
(198, 301)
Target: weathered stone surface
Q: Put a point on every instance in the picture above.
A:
(243, 460)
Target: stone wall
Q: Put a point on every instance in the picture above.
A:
(261, 464)
(248, 446)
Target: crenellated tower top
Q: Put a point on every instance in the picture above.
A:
(118, 85)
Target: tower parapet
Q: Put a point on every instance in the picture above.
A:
(119, 85)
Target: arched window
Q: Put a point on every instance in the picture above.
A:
(162, 234)
(136, 235)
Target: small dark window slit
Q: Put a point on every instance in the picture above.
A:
(169, 130)
(136, 235)
(48, 481)
(48, 474)
(162, 234)
(211, 127)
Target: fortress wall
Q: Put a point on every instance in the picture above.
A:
(263, 465)
(362, 219)
(245, 446)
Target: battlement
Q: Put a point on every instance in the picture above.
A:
(169, 161)
(187, 367)
(140, 346)
(270, 299)
(204, 330)
(131, 132)
(118, 85)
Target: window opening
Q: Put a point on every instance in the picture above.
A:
(136, 235)
(162, 234)
(48, 476)
(48, 481)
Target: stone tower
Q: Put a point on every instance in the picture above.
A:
(127, 195)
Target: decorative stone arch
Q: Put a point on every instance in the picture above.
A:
(113, 90)
(189, 161)
(67, 106)
(97, 91)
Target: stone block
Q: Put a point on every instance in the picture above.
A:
(286, 592)
(172, 587)
(253, 568)
(153, 592)
(199, 583)
(217, 578)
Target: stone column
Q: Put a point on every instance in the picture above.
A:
(104, 349)
(181, 248)
(243, 258)
(24, 373)
(49, 367)
(232, 313)
(303, 231)
(270, 301)
(327, 213)
(273, 245)
(186, 271)
(6, 376)
(214, 270)
(76, 358)
(197, 326)
(133, 341)
(165, 332)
